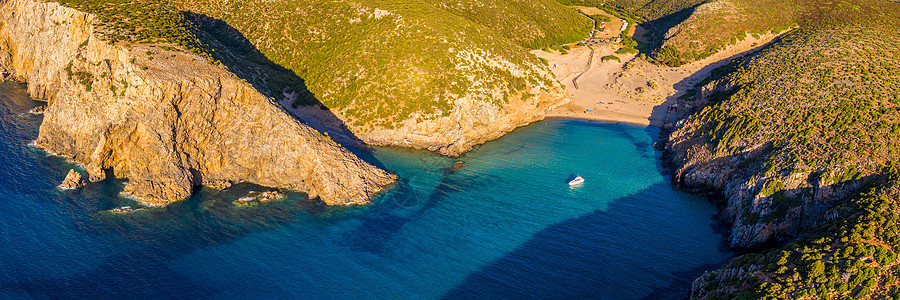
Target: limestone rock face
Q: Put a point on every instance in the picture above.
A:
(73, 180)
(471, 122)
(165, 120)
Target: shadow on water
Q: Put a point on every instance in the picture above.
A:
(680, 288)
(148, 239)
(542, 267)
(383, 222)
(140, 243)
(243, 58)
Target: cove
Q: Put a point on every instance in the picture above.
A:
(501, 222)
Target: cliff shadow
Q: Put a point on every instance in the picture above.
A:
(609, 265)
(240, 56)
(681, 104)
(383, 222)
(657, 29)
(50, 237)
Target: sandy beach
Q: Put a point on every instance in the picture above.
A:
(631, 90)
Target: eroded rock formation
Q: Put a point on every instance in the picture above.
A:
(472, 122)
(167, 121)
(73, 180)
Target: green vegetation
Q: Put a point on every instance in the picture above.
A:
(832, 103)
(628, 46)
(821, 104)
(820, 107)
(600, 18)
(611, 58)
(853, 256)
(81, 77)
(716, 24)
(702, 27)
(141, 21)
(376, 63)
(639, 10)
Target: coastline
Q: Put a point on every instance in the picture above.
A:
(632, 90)
(594, 119)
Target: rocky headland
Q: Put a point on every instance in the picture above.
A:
(394, 75)
(166, 120)
(797, 143)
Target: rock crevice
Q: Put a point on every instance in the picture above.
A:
(165, 120)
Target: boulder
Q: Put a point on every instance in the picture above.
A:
(73, 180)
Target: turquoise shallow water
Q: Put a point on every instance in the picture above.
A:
(503, 223)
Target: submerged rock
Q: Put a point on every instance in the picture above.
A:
(253, 198)
(38, 110)
(73, 180)
(124, 210)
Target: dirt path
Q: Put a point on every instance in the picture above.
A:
(586, 68)
(633, 90)
(590, 57)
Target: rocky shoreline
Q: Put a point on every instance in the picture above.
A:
(768, 198)
(741, 191)
(167, 121)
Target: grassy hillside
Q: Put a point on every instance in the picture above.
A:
(718, 23)
(145, 21)
(641, 10)
(830, 95)
(816, 112)
(682, 31)
(532, 24)
(375, 62)
(380, 62)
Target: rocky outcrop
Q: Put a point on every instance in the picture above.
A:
(473, 120)
(167, 121)
(73, 180)
(38, 110)
(255, 197)
(762, 206)
(471, 123)
(460, 89)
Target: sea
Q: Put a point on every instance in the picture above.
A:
(499, 223)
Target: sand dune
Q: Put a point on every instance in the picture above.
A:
(633, 90)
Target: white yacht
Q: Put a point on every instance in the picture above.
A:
(578, 180)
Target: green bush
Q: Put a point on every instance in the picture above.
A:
(611, 58)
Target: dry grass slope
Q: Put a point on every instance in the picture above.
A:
(378, 63)
(823, 102)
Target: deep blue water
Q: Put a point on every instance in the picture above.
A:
(501, 224)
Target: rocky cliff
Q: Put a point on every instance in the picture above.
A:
(167, 121)
(782, 135)
(437, 75)
(470, 123)
(799, 142)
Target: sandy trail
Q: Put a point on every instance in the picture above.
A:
(633, 90)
